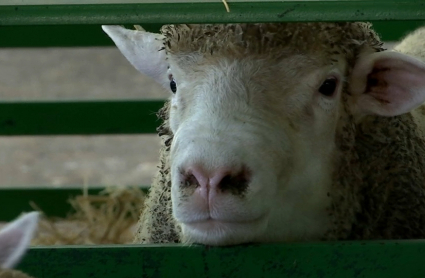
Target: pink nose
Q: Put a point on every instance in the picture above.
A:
(225, 180)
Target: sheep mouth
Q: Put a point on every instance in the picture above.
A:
(215, 232)
(211, 223)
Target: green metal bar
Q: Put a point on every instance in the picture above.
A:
(52, 201)
(59, 35)
(258, 11)
(92, 35)
(389, 259)
(79, 118)
(395, 30)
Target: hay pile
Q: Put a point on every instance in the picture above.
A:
(107, 218)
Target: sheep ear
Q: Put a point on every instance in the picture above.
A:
(15, 239)
(388, 83)
(143, 50)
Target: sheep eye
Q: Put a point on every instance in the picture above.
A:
(328, 87)
(173, 85)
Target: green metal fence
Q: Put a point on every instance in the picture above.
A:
(321, 260)
(76, 24)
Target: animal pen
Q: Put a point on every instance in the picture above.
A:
(45, 23)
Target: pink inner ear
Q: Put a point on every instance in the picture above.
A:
(397, 84)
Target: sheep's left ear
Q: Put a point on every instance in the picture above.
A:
(144, 50)
(15, 239)
(387, 83)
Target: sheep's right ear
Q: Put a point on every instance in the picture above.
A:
(143, 50)
(15, 239)
(388, 83)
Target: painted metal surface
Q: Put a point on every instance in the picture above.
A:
(65, 2)
(258, 11)
(389, 259)
(52, 201)
(92, 35)
(79, 118)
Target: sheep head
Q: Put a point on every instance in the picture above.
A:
(261, 117)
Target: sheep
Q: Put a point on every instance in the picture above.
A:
(282, 132)
(14, 241)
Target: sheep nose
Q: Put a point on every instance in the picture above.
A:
(233, 180)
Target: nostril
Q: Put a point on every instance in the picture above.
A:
(194, 177)
(226, 180)
(190, 180)
(236, 184)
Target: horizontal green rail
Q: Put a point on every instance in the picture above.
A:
(52, 201)
(79, 117)
(92, 35)
(252, 11)
(375, 259)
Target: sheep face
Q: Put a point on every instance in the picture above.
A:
(257, 113)
(252, 148)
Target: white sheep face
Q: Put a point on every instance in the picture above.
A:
(254, 149)
(268, 139)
